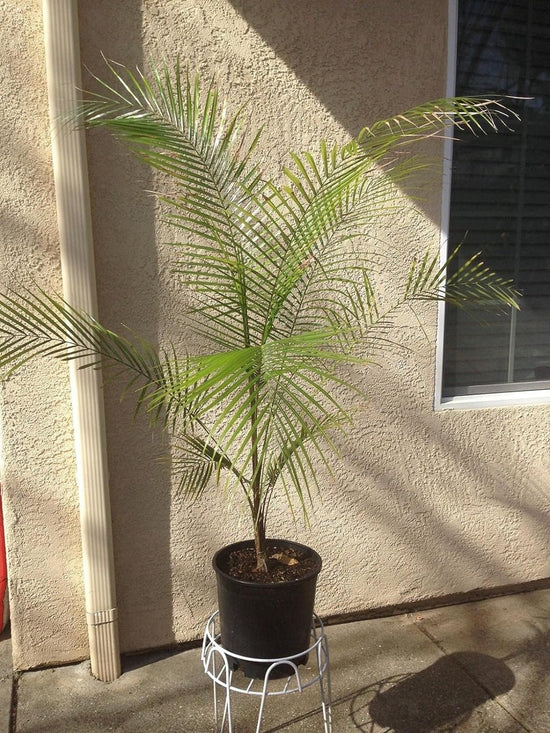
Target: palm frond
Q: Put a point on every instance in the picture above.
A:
(475, 114)
(174, 128)
(34, 323)
(473, 283)
(195, 461)
(325, 200)
(283, 275)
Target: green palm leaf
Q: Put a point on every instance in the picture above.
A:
(284, 281)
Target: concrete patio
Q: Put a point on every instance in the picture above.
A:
(480, 667)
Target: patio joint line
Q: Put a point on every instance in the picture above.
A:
(12, 725)
(478, 682)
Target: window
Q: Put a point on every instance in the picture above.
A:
(500, 199)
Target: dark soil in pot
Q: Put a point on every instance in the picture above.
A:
(266, 616)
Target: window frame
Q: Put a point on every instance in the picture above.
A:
(511, 397)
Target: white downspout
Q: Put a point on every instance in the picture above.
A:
(79, 289)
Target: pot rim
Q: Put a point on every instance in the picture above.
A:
(250, 543)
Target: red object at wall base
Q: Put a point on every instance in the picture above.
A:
(4, 609)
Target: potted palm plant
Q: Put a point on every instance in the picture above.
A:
(284, 286)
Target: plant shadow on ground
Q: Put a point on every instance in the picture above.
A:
(141, 659)
(438, 698)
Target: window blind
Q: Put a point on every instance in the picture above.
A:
(500, 198)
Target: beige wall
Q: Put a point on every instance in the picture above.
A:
(38, 474)
(422, 504)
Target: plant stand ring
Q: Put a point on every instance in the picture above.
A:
(217, 665)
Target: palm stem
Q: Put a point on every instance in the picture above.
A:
(257, 512)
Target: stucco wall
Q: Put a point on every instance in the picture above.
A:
(38, 472)
(422, 504)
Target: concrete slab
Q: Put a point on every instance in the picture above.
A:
(386, 673)
(5, 654)
(5, 705)
(387, 676)
(157, 692)
(5, 680)
(499, 637)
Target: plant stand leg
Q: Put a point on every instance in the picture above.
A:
(215, 692)
(227, 705)
(295, 683)
(266, 681)
(324, 679)
(223, 678)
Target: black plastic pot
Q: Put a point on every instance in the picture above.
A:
(265, 620)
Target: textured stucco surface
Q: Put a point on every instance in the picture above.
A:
(422, 504)
(38, 470)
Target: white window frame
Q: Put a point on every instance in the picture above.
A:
(489, 399)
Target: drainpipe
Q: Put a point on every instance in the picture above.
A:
(79, 289)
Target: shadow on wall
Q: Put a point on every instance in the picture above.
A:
(351, 57)
(419, 471)
(341, 51)
(404, 510)
(358, 58)
(123, 218)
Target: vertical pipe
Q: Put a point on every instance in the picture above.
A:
(79, 289)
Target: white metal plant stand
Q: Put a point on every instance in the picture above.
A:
(217, 665)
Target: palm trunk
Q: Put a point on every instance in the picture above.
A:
(260, 545)
(257, 514)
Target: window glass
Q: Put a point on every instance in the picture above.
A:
(500, 198)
